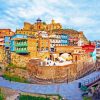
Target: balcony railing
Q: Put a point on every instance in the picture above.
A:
(21, 51)
(21, 44)
(64, 38)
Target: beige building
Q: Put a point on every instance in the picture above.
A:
(31, 29)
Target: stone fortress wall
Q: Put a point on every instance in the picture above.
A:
(67, 72)
(54, 72)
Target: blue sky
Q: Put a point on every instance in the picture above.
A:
(81, 15)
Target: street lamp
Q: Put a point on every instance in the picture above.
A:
(52, 77)
(67, 75)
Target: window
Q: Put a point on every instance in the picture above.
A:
(46, 48)
(42, 48)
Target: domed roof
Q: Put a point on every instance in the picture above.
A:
(38, 20)
(65, 55)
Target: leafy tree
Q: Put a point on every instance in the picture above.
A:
(44, 23)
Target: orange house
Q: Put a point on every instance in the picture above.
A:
(6, 32)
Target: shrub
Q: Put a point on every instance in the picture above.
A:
(14, 78)
(1, 97)
(27, 97)
(11, 65)
(87, 98)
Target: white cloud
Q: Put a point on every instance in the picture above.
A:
(9, 24)
(67, 12)
(15, 2)
(6, 24)
(79, 21)
(53, 1)
(60, 20)
(33, 11)
(38, 8)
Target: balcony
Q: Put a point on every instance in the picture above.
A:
(22, 51)
(21, 44)
(64, 37)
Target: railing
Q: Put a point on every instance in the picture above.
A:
(91, 81)
(21, 51)
(20, 45)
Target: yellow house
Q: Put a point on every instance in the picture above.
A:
(33, 47)
(64, 49)
(44, 44)
(27, 32)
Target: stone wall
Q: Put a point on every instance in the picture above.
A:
(19, 60)
(70, 72)
(22, 60)
(97, 65)
(3, 58)
(23, 73)
(53, 72)
(84, 67)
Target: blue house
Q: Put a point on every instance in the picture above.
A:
(64, 39)
(7, 40)
(16, 36)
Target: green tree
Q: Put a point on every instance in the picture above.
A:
(44, 23)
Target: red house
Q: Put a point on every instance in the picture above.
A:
(88, 48)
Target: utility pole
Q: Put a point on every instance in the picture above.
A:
(67, 75)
